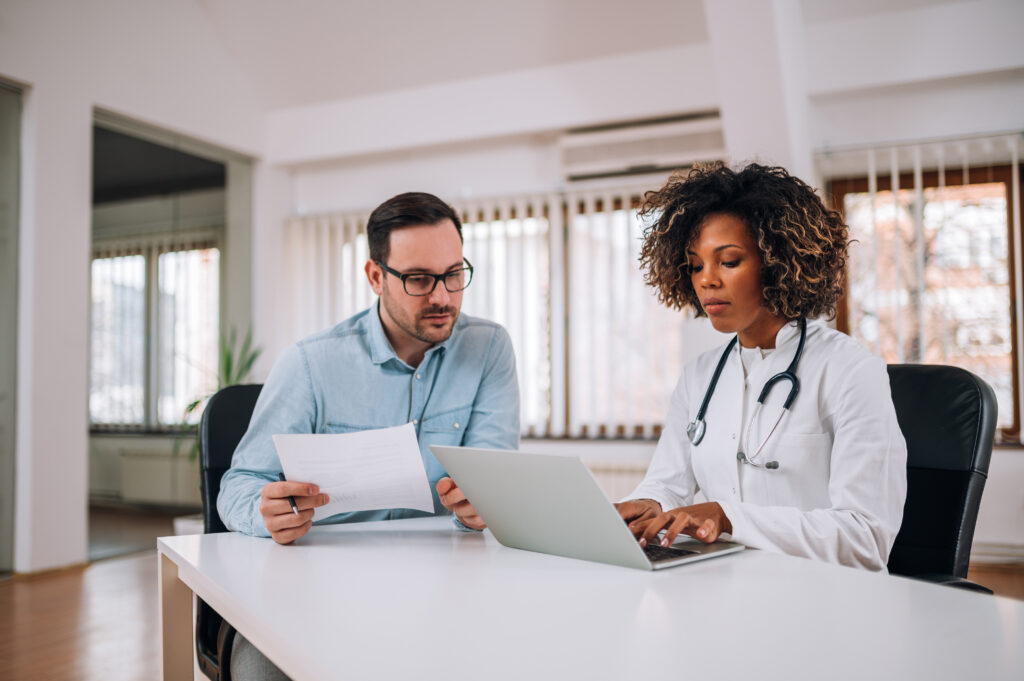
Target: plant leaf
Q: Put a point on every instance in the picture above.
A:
(245, 361)
(241, 360)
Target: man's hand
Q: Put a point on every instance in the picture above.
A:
(284, 524)
(455, 501)
(703, 522)
(637, 511)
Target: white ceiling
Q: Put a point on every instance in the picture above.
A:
(306, 51)
(300, 52)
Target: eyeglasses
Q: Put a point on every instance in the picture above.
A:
(422, 284)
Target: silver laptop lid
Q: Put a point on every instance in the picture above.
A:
(551, 504)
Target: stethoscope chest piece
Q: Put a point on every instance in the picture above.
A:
(695, 430)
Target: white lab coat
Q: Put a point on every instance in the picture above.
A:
(838, 493)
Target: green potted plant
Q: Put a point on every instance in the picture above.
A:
(234, 367)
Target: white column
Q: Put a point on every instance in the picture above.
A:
(53, 304)
(758, 48)
(270, 248)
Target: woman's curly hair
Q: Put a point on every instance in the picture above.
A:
(803, 244)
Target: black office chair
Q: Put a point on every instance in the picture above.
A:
(948, 418)
(224, 422)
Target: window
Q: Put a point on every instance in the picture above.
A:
(931, 272)
(624, 348)
(597, 355)
(154, 333)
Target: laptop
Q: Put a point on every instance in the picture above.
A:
(552, 504)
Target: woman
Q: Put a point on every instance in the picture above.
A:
(818, 467)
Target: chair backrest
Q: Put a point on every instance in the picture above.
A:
(948, 418)
(224, 422)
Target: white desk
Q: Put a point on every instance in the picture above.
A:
(415, 599)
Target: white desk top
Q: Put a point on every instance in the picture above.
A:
(415, 599)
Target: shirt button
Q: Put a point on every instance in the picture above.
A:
(456, 424)
(417, 377)
(415, 421)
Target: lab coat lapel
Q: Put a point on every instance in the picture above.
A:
(725, 415)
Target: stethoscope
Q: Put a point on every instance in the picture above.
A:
(696, 428)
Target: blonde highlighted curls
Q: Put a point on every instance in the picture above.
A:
(803, 244)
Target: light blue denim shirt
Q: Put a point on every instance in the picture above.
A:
(348, 378)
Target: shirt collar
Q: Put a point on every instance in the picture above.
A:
(380, 347)
(787, 335)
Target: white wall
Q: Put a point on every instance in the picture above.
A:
(145, 59)
(625, 87)
(506, 166)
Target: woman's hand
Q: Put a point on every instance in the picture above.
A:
(703, 522)
(638, 511)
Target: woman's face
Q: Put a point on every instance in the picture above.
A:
(725, 269)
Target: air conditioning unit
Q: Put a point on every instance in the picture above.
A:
(641, 147)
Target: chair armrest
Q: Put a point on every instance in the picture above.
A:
(951, 580)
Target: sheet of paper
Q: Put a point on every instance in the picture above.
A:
(363, 471)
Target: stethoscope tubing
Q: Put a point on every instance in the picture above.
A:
(696, 429)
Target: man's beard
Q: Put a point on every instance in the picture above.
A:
(430, 333)
(418, 327)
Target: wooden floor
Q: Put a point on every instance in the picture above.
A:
(100, 622)
(118, 530)
(97, 623)
(1005, 579)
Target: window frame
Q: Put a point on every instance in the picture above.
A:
(837, 188)
(151, 248)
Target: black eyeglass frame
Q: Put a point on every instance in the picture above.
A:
(437, 277)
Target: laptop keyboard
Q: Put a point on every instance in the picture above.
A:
(655, 553)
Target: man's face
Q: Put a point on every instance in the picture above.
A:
(425, 249)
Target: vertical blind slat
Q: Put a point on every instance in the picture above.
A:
(897, 239)
(558, 315)
(946, 330)
(922, 297)
(605, 360)
(875, 241)
(595, 324)
(1018, 247)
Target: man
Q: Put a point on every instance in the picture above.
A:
(409, 358)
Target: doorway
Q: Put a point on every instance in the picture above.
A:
(170, 269)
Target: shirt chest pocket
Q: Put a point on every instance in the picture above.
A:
(806, 456)
(447, 427)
